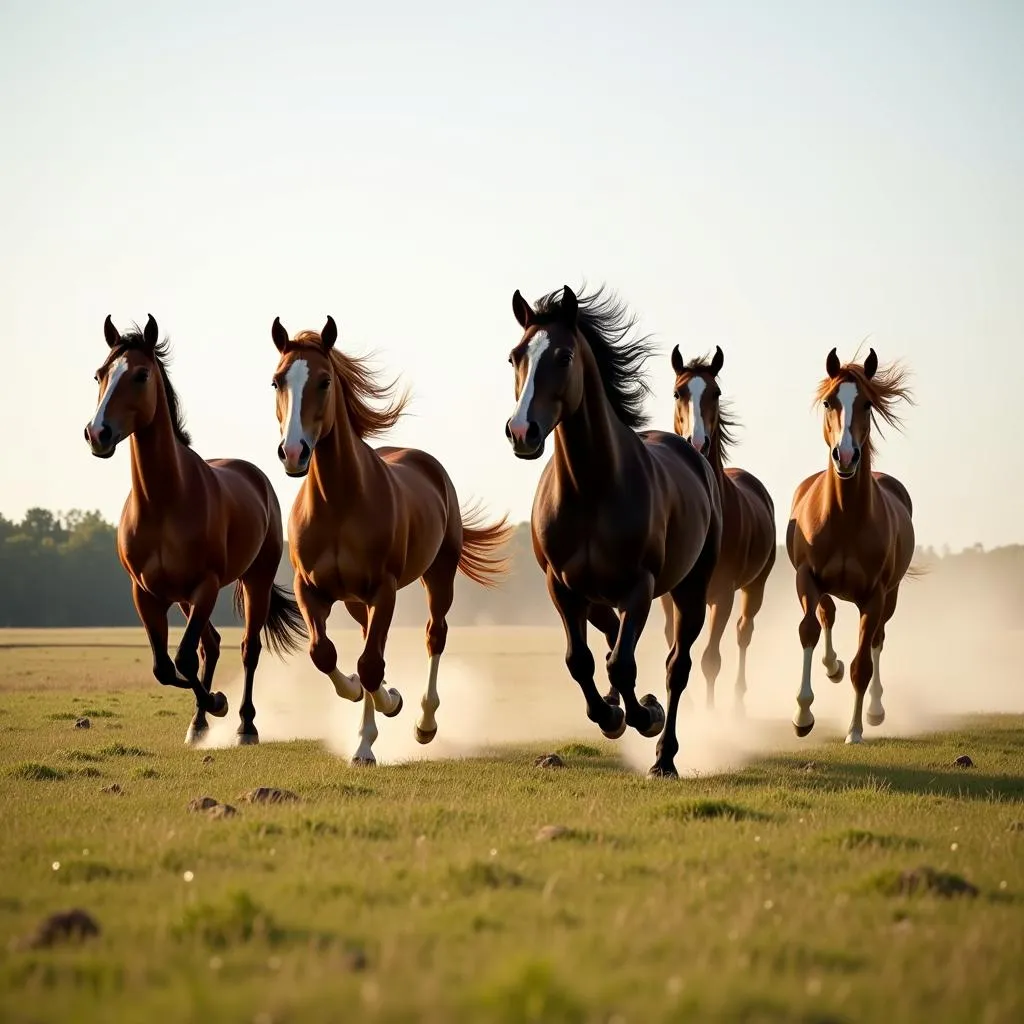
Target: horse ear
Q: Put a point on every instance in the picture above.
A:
(677, 360)
(151, 333)
(279, 334)
(832, 364)
(570, 306)
(521, 310)
(110, 333)
(871, 365)
(718, 362)
(329, 335)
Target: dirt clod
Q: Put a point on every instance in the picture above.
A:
(221, 811)
(936, 883)
(963, 761)
(114, 789)
(269, 795)
(64, 926)
(549, 761)
(83, 723)
(549, 832)
(208, 759)
(203, 803)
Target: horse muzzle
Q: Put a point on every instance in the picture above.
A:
(102, 440)
(295, 457)
(527, 441)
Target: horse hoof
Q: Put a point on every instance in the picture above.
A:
(875, 720)
(854, 737)
(837, 675)
(657, 712)
(663, 771)
(247, 739)
(364, 762)
(619, 718)
(803, 730)
(218, 705)
(398, 707)
(194, 736)
(424, 736)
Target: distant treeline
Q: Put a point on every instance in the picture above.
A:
(62, 570)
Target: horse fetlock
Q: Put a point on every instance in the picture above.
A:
(656, 715)
(348, 687)
(612, 724)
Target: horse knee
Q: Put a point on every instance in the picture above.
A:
(679, 671)
(622, 671)
(251, 648)
(744, 631)
(437, 636)
(860, 670)
(711, 663)
(370, 667)
(810, 630)
(323, 654)
(580, 664)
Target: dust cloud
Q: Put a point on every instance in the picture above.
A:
(508, 685)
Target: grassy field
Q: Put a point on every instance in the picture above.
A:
(426, 891)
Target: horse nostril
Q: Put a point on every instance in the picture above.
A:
(105, 434)
(532, 433)
(280, 451)
(508, 429)
(856, 456)
(306, 451)
(835, 453)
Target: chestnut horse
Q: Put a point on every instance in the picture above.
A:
(748, 517)
(189, 528)
(851, 534)
(368, 522)
(619, 518)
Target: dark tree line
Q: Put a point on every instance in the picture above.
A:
(62, 570)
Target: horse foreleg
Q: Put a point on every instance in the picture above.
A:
(711, 661)
(834, 668)
(186, 659)
(602, 617)
(316, 608)
(809, 593)
(572, 610)
(646, 715)
(876, 711)
(439, 583)
(863, 662)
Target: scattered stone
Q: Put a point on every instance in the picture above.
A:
(549, 761)
(208, 759)
(203, 803)
(83, 723)
(64, 926)
(114, 789)
(963, 761)
(937, 883)
(549, 832)
(269, 795)
(221, 811)
(810, 766)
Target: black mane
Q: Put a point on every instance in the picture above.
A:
(161, 355)
(606, 324)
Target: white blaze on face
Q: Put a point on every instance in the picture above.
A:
(520, 421)
(114, 374)
(294, 385)
(698, 435)
(847, 394)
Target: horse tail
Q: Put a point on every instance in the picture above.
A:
(480, 559)
(285, 629)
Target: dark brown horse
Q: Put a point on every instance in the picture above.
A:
(851, 534)
(619, 518)
(189, 528)
(368, 522)
(748, 517)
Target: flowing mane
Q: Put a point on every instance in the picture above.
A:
(884, 391)
(606, 323)
(724, 436)
(161, 355)
(360, 387)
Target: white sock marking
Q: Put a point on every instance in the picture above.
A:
(384, 700)
(876, 712)
(367, 733)
(829, 659)
(430, 702)
(521, 416)
(805, 698)
(345, 686)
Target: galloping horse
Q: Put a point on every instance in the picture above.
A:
(619, 518)
(368, 522)
(851, 534)
(190, 527)
(748, 517)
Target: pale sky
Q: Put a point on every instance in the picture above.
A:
(776, 178)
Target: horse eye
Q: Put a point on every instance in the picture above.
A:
(141, 377)
(563, 357)
(325, 383)
(677, 395)
(273, 384)
(96, 377)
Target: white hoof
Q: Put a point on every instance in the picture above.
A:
(854, 737)
(875, 718)
(837, 673)
(803, 721)
(364, 760)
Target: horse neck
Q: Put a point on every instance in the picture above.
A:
(158, 476)
(340, 462)
(590, 444)
(853, 497)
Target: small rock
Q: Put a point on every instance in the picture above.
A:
(963, 761)
(937, 883)
(64, 926)
(83, 723)
(114, 789)
(203, 803)
(221, 811)
(208, 759)
(549, 761)
(810, 766)
(549, 832)
(269, 795)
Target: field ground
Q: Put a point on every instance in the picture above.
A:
(420, 891)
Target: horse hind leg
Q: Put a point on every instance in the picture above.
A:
(876, 711)
(861, 669)
(711, 661)
(751, 599)
(209, 655)
(256, 610)
(810, 632)
(439, 584)
(602, 617)
(834, 668)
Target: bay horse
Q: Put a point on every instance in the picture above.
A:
(619, 517)
(748, 517)
(190, 527)
(851, 534)
(368, 522)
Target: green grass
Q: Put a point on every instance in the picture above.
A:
(422, 891)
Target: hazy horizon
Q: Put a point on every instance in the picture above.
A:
(775, 179)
